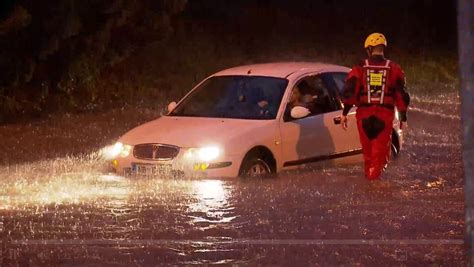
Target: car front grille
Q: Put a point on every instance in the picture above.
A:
(155, 152)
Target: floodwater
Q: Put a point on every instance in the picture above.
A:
(66, 211)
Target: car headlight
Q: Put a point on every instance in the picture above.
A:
(204, 154)
(117, 150)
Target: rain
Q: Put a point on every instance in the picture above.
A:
(75, 76)
(70, 209)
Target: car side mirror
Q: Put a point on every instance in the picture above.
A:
(299, 112)
(171, 106)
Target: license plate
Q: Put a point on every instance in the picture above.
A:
(149, 169)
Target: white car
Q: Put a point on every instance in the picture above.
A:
(247, 121)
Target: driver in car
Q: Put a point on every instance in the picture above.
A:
(300, 97)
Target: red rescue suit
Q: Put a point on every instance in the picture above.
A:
(376, 86)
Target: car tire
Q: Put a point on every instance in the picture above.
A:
(255, 167)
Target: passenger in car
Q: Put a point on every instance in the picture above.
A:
(252, 103)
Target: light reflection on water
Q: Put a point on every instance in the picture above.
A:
(59, 182)
(72, 181)
(66, 189)
(211, 202)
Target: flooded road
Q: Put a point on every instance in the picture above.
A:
(67, 211)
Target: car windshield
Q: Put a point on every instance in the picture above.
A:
(238, 97)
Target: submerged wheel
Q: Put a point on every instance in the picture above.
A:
(255, 167)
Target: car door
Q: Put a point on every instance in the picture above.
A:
(347, 141)
(311, 138)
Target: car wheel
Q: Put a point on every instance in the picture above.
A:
(255, 167)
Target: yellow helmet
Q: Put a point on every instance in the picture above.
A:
(375, 39)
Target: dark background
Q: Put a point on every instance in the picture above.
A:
(93, 55)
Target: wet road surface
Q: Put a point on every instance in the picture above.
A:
(67, 212)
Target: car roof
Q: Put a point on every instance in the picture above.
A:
(281, 69)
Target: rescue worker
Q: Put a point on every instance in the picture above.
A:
(376, 86)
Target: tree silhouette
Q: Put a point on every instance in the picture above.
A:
(61, 47)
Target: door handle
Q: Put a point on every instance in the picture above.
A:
(337, 120)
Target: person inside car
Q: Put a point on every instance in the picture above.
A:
(253, 102)
(300, 97)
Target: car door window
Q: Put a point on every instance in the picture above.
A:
(339, 80)
(335, 84)
(314, 93)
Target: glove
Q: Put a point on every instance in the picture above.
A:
(344, 122)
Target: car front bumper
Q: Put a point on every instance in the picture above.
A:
(227, 166)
